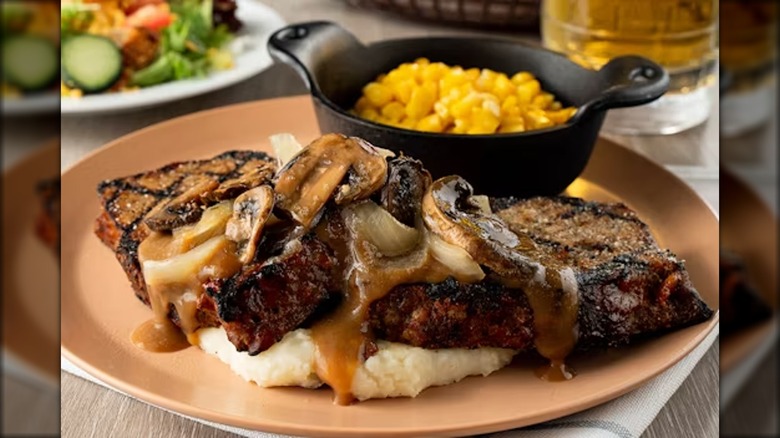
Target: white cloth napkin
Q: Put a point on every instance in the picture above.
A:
(624, 417)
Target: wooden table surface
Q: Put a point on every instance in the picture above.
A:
(89, 410)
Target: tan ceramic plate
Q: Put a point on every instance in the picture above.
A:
(99, 310)
(749, 229)
(30, 275)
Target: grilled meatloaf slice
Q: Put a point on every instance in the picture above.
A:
(266, 300)
(628, 287)
(127, 202)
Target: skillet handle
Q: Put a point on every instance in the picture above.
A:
(629, 81)
(306, 46)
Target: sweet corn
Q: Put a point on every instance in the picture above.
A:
(402, 91)
(434, 97)
(422, 100)
(527, 90)
(431, 123)
(377, 94)
(369, 114)
(394, 111)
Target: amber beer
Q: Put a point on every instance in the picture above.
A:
(681, 35)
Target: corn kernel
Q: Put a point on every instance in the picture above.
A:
(393, 111)
(509, 105)
(433, 72)
(422, 100)
(503, 87)
(561, 116)
(462, 108)
(512, 125)
(443, 112)
(492, 106)
(452, 80)
(543, 100)
(536, 119)
(394, 77)
(363, 104)
(472, 74)
(555, 106)
(409, 71)
(527, 91)
(522, 77)
(483, 122)
(369, 114)
(431, 123)
(377, 94)
(461, 126)
(422, 61)
(486, 80)
(402, 90)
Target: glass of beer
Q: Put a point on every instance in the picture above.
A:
(680, 35)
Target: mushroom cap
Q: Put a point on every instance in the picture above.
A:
(337, 167)
(450, 213)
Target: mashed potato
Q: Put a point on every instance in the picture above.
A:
(396, 370)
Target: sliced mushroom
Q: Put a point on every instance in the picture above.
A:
(344, 168)
(229, 189)
(406, 185)
(251, 210)
(184, 209)
(450, 213)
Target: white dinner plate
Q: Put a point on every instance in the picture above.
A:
(259, 20)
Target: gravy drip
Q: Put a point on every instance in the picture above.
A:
(341, 337)
(179, 284)
(554, 299)
(159, 336)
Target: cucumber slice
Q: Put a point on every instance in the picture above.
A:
(90, 63)
(29, 62)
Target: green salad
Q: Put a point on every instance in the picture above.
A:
(126, 44)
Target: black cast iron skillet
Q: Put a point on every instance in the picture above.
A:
(336, 66)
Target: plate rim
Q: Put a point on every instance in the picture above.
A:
(269, 425)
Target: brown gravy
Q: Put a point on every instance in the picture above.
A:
(341, 337)
(179, 284)
(554, 300)
(159, 336)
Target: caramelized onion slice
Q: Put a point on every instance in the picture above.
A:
(345, 169)
(206, 260)
(286, 147)
(464, 268)
(408, 249)
(382, 230)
